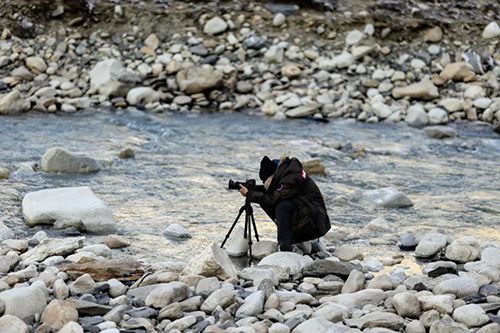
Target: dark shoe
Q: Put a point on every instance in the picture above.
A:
(285, 248)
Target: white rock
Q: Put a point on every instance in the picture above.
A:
(460, 287)
(13, 103)
(417, 64)
(274, 55)
(82, 284)
(167, 293)
(344, 60)
(12, 324)
(381, 110)
(407, 305)
(142, 96)
(482, 103)
(318, 325)
(471, 315)
(176, 231)
(5, 232)
(253, 305)
(279, 19)
(287, 260)
(52, 247)
(440, 303)
(36, 64)
(354, 37)
(60, 160)
(237, 244)
(474, 92)
(452, 104)
(70, 203)
(492, 30)
(360, 298)
(23, 302)
(213, 261)
(71, 327)
(430, 244)
(110, 78)
(388, 197)
(438, 116)
(100, 250)
(215, 26)
(222, 297)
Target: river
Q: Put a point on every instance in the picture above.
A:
(183, 164)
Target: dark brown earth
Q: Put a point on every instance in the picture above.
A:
(460, 19)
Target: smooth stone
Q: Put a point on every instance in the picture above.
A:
(58, 313)
(69, 203)
(176, 231)
(12, 324)
(425, 90)
(492, 30)
(198, 79)
(430, 244)
(377, 319)
(23, 302)
(442, 326)
(471, 315)
(441, 303)
(441, 132)
(359, 298)
(166, 294)
(110, 78)
(215, 26)
(142, 96)
(252, 306)
(222, 297)
(406, 304)
(416, 116)
(388, 197)
(213, 261)
(290, 261)
(355, 282)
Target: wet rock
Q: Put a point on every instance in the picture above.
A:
(460, 287)
(430, 244)
(492, 30)
(422, 90)
(215, 26)
(213, 261)
(303, 111)
(52, 247)
(379, 224)
(471, 315)
(290, 261)
(198, 79)
(23, 302)
(116, 241)
(360, 298)
(110, 78)
(407, 305)
(127, 153)
(58, 313)
(60, 160)
(377, 319)
(441, 132)
(142, 96)
(388, 197)
(13, 103)
(456, 71)
(176, 231)
(12, 324)
(70, 203)
(417, 117)
(314, 166)
(166, 294)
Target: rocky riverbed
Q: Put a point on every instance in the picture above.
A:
(113, 205)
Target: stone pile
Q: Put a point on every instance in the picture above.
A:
(232, 63)
(70, 286)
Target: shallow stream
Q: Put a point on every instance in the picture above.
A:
(183, 164)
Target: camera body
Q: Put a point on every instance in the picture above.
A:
(250, 184)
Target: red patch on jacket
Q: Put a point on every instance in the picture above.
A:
(304, 175)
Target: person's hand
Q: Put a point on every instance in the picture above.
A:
(243, 190)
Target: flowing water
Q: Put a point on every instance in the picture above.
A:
(183, 164)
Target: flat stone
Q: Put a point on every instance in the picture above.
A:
(69, 203)
(60, 160)
(348, 253)
(166, 294)
(52, 247)
(377, 319)
(106, 269)
(360, 298)
(303, 111)
(262, 249)
(422, 90)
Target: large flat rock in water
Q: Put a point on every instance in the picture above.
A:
(69, 204)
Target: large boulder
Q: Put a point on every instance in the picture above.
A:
(23, 302)
(422, 90)
(13, 103)
(52, 247)
(213, 261)
(110, 78)
(60, 160)
(198, 79)
(292, 262)
(68, 203)
(387, 197)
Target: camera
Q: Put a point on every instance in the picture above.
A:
(250, 184)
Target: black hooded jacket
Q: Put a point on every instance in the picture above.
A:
(290, 182)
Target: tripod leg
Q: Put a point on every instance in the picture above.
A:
(232, 227)
(247, 222)
(255, 228)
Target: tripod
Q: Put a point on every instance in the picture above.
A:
(249, 221)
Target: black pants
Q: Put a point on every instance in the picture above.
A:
(282, 214)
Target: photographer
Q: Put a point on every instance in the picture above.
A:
(292, 200)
